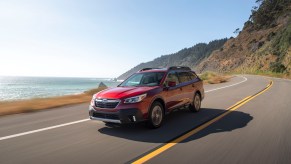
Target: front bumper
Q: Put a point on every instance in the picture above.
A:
(122, 116)
(105, 119)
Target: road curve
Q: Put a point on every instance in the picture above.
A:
(257, 132)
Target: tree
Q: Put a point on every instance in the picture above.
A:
(237, 31)
(268, 11)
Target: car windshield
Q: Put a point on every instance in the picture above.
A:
(144, 79)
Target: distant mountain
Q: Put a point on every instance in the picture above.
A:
(263, 45)
(190, 57)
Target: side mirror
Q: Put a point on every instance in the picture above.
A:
(171, 83)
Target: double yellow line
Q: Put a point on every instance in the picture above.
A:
(199, 128)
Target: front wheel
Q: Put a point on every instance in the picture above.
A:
(156, 115)
(196, 104)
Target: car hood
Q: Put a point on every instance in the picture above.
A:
(123, 92)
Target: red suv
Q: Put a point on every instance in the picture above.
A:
(148, 95)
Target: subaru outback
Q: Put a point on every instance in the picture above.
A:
(148, 95)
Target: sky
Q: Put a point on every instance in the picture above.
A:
(105, 38)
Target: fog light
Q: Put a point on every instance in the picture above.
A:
(133, 117)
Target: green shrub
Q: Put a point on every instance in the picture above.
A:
(277, 67)
(282, 42)
(207, 75)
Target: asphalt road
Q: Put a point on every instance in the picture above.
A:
(257, 132)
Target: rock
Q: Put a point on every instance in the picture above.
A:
(102, 85)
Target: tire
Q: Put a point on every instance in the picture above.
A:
(195, 106)
(156, 115)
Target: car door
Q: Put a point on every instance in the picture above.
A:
(195, 83)
(173, 97)
(186, 86)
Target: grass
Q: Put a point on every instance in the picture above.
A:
(214, 78)
(32, 105)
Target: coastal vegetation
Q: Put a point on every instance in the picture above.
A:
(37, 104)
(209, 77)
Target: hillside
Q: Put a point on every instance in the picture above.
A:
(186, 57)
(262, 46)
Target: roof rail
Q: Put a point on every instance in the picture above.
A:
(145, 69)
(179, 68)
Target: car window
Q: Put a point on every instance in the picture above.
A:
(144, 79)
(184, 77)
(171, 77)
(192, 75)
(151, 79)
(134, 80)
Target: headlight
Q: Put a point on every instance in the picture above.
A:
(92, 101)
(135, 99)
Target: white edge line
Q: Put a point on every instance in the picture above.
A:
(245, 79)
(278, 78)
(79, 121)
(42, 129)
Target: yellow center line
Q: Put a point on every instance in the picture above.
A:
(199, 128)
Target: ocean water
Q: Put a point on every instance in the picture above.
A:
(16, 88)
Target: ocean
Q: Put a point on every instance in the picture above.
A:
(18, 88)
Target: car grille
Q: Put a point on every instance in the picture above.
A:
(107, 116)
(106, 103)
